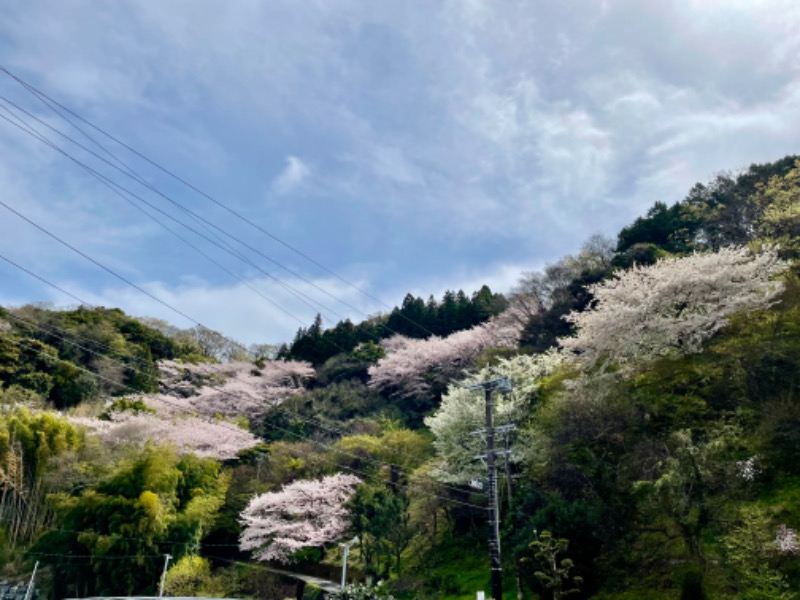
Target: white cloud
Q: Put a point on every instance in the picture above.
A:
(433, 124)
(292, 177)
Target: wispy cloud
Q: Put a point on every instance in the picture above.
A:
(292, 177)
(430, 141)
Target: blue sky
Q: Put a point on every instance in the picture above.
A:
(407, 146)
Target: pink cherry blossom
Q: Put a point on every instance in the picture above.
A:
(411, 366)
(220, 440)
(228, 389)
(305, 514)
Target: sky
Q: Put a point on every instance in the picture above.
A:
(359, 150)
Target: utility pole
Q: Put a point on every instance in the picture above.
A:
(506, 430)
(29, 591)
(346, 546)
(164, 575)
(503, 385)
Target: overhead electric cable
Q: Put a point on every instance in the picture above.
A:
(52, 285)
(130, 173)
(112, 185)
(70, 338)
(233, 427)
(118, 190)
(375, 461)
(133, 539)
(98, 557)
(99, 264)
(182, 207)
(42, 95)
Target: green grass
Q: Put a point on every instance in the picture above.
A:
(456, 569)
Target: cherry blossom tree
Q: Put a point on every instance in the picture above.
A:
(462, 412)
(220, 440)
(672, 306)
(414, 367)
(230, 389)
(305, 514)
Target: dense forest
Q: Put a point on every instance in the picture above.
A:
(651, 434)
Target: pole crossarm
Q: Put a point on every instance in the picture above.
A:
(501, 384)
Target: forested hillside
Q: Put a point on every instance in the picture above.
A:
(652, 430)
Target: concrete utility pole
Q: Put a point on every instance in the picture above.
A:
(164, 575)
(502, 385)
(505, 431)
(346, 546)
(29, 591)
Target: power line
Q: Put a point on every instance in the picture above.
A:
(97, 557)
(121, 191)
(107, 269)
(42, 95)
(86, 256)
(129, 173)
(313, 423)
(32, 274)
(118, 189)
(102, 266)
(309, 421)
(182, 207)
(237, 429)
(133, 539)
(99, 264)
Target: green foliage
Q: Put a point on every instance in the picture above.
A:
(40, 436)
(381, 521)
(668, 482)
(337, 406)
(726, 211)
(72, 356)
(125, 404)
(453, 568)
(639, 254)
(669, 228)
(18, 396)
(122, 521)
(191, 576)
(750, 552)
(30, 446)
(72, 385)
(692, 586)
(350, 366)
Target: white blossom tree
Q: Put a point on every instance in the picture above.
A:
(462, 412)
(786, 540)
(305, 514)
(412, 367)
(673, 306)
